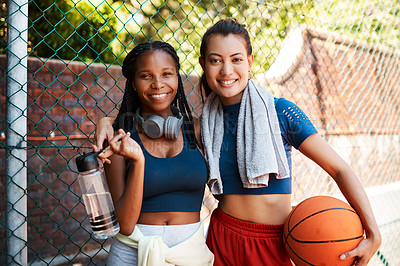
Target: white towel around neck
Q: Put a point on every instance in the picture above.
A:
(260, 149)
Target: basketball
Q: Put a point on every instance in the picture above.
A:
(321, 228)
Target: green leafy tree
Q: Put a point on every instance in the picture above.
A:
(68, 30)
(374, 21)
(104, 30)
(182, 23)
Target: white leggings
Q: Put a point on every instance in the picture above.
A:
(121, 254)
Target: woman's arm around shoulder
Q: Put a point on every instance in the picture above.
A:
(197, 128)
(104, 131)
(318, 150)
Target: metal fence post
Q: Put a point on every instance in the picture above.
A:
(17, 33)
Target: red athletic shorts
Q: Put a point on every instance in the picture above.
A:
(237, 242)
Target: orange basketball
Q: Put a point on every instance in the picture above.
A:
(321, 228)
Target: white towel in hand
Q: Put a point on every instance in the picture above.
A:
(259, 143)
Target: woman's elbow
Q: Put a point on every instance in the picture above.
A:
(126, 222)
(126, 230)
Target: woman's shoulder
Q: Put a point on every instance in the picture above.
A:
(283, 103)
(294, 123)
(288, 109)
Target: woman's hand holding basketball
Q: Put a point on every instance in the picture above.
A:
(364, 251)
(122, 144)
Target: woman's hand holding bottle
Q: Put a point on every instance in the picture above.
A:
(122, 144)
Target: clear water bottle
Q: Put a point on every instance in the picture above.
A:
(96, 196)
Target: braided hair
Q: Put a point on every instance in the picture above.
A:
(131, 102)
(223, 27)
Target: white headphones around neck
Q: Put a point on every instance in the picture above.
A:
(155, 126)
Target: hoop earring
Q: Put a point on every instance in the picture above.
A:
(250, 74)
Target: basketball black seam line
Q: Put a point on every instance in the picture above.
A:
(299, 256)
(316, 213)
(289, 218)
(311, 215)
(326, 241)
(288, 245)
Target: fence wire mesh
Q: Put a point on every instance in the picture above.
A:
(338, 60)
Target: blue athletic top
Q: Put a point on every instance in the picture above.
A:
(173, 184)
(295, 128)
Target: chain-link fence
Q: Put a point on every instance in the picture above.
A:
(60, 72)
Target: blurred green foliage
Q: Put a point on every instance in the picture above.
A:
(72, 31)
(104, 30)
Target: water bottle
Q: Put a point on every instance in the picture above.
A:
(96, 196)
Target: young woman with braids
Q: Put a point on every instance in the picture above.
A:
(248, 136)
(154, 168)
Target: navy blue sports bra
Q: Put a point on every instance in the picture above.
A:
(295, 128)
(173, 184)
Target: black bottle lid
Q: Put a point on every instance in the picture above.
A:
(87, 162)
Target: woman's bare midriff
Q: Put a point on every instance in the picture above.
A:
(262, 209)
(168, 218)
